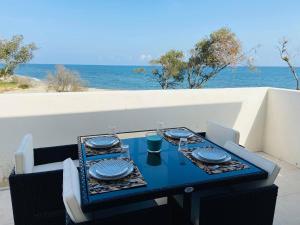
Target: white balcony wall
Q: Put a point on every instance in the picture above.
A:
(282, 125)
(58, 118)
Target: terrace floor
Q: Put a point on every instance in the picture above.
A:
(287, 211)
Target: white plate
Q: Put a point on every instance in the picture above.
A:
(179, 133)
(111, 169)
(96, 176)
(102, 142)
(214, 155)
(211, 154)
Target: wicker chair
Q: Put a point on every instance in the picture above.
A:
(36, 183)
(251, 203)
(235, 206)
(145, 212)
(158, 215)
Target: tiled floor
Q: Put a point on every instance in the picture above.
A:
(6, 216)
(288, 201)
(287, 208)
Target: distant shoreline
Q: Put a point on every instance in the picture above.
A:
(39, 86)
(29, 77)
(124, 78)
(126, 65)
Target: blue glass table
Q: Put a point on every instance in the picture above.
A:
(166, 174)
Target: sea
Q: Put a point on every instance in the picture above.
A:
(124, 77)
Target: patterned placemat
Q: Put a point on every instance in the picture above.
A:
(135, 179)
(232, 165)
(192, 140)
(92, 152)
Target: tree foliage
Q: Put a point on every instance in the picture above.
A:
(13, 52)
(172, 69)
(211, 55)
(64, 80)
(285, 56)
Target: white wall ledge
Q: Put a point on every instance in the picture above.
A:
(262, 115)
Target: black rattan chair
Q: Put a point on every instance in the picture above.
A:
(147, 212)
(236, 207)
(250, 203)
(155, 215)
(227, 206)
(37, 197)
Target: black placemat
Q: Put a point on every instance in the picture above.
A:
(92, 152)
(192, 140)
(232, 165)
(134, 180)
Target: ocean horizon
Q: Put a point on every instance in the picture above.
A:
(123, 76)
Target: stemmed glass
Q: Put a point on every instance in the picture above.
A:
(183, 144)
(160, 127)
(125, 154)
(113, 130)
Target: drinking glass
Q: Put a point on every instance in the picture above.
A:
(125, 154)
(160, 126)
(183, 144)
(113, 129)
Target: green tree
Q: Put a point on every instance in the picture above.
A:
(13, 52)
(172, 69)
(211, 55)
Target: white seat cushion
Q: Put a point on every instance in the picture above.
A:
(24, 159)
(71, 192)
(51, 166)
(220, 134)
(265, 164)
(24, 156)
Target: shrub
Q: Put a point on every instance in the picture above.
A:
(7, 86)
(23, 82)
(64, 80)
(23, 86)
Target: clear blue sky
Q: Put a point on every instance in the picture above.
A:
(133, 31)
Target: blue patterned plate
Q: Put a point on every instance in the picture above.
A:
(179, 133)
(111, 169)
(211, 155)
(102, 142)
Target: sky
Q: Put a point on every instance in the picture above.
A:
(132, 32)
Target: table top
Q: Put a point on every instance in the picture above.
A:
(168, 173)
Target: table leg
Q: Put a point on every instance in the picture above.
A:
(179, 215)
(187, 197)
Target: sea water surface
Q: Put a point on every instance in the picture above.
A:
(124, 77)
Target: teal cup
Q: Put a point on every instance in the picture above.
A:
(154, 142)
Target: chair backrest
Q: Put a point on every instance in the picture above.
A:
(71, 192)
(265, 164)
(220, 134)
(24, 160)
